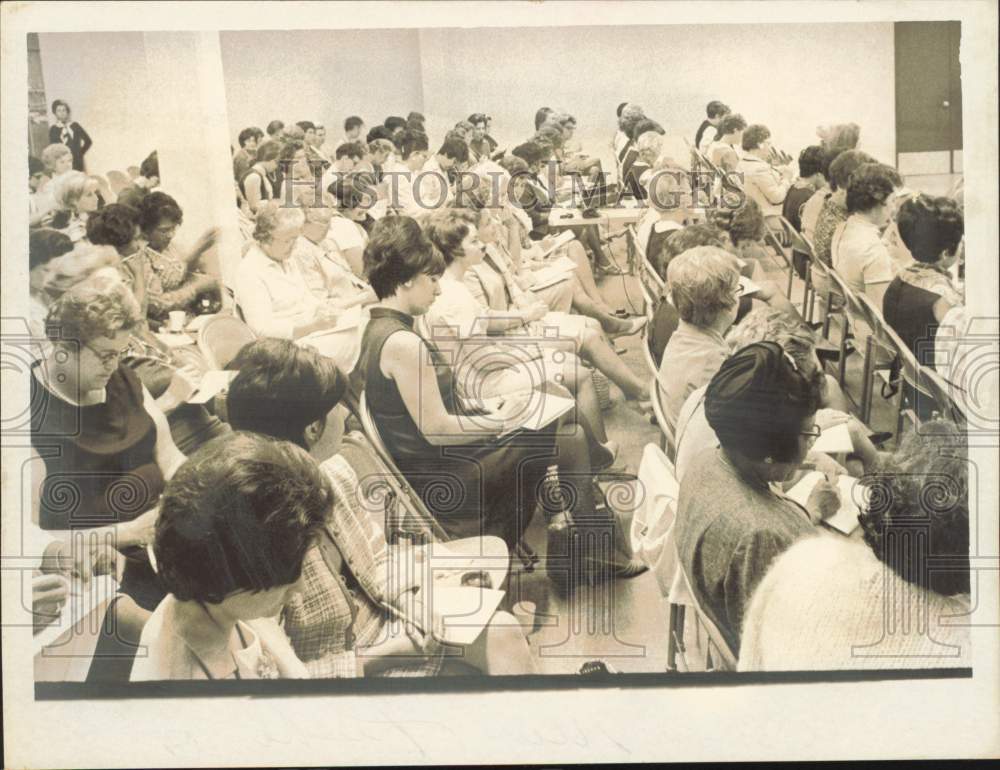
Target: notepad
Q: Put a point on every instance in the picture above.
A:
(213, 383)
(465, 611)
(747, 287)
(542, 410)
(834, 440)
(558, 242)
(82, 604)
(560, 270)
(844, 520)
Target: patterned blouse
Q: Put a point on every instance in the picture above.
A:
(834, 212)
(338, 613)
(169, 282)
(932, 279)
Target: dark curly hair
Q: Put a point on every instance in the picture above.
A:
(755, 135)
(917, 517)
(731, 122)
(113, 225)
(746, 223)
(240, 514)
(870, 185)
(930, 226)
(156, 207)
(692, 236)
(45, 244)
(811, 161)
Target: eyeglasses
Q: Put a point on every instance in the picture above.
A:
(107, 357)
(813, 434)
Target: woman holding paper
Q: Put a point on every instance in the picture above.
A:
(462, 464)
(455, 235)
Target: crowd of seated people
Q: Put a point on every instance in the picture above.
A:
(248, 551)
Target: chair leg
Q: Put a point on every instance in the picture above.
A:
(866, 381)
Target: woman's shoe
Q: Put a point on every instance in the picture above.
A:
(635, 326)
(611, 450)
(608, 268)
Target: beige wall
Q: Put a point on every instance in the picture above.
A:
(103, 76)
(323, 76)
(791, 77)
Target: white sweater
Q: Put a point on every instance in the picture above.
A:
(827, 595)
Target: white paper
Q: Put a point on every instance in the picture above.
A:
(466, 611)
(558, 242)
(559, 270)
(175, 340)
(747, 286)
(845, 520)
(213, 383)
(835, 440)
(541, 410)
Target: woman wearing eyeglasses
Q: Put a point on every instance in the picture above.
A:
(732, 518)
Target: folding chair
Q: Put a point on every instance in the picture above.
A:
(779, 241)
(655, 398)
(221, 338)
(396, 481)
(719, 655)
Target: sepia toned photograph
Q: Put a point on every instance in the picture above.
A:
(512, 356)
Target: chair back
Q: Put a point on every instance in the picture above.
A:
(720, 656)
(656, 399)
(221, 337)
(414, 506)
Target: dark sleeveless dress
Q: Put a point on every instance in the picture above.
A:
(471, 489)
(909, 310)
(100, 462)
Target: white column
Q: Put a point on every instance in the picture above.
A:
(189, 96)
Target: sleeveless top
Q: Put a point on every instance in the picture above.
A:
(266, 193)
(909, 310)
(399, 432)
(100, 462)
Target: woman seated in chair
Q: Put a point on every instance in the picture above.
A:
(921, 296)
(763, 410)
(174, 279)
(834, 208)
(725, 151)
(258, 185)
(235, 524)
(169, 374)
(642, 157)
(825, 603)
(462, 464)
(349, 226)
(525, 243)
(859, 256)
(766, 324)
(339, 622)
(669, 211)
(115, 448)
(274, 297)
(456, 236)
(74, 195)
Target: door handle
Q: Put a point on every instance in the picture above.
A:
(946, 104)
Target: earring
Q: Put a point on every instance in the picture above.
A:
(768, 460)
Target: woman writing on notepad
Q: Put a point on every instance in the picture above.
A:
(462, 465)
(831, 602)
(339, 622)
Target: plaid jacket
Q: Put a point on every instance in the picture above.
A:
(337, 615)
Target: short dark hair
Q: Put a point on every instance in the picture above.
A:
(541, 115)
(919, 499)
(35, 166)
(398, 251)
(353, 190)
(732, 121)
(240, 514)
(714, 109)
(692, 236)
(306, 125)
(530, 152)
(412, 141)
(870, 185)
(60, 103)
(394, 121)
(156, 207)
(45, 244)
(757, 401)
(478, 117)
(621, 107)
(415, 117)
(349, 150)
(150, 166)
(269, 149)
(113, 225)
(378, 132)
(289, 148)
(274, 127)
(845, 164)
(929, 225)
(746, 222)
(811, 160)
(249, 133)
(640, 127)
(755, 136)
(456, 149)
(352, 123)
(282, 388)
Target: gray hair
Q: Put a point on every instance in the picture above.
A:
(702, 283)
